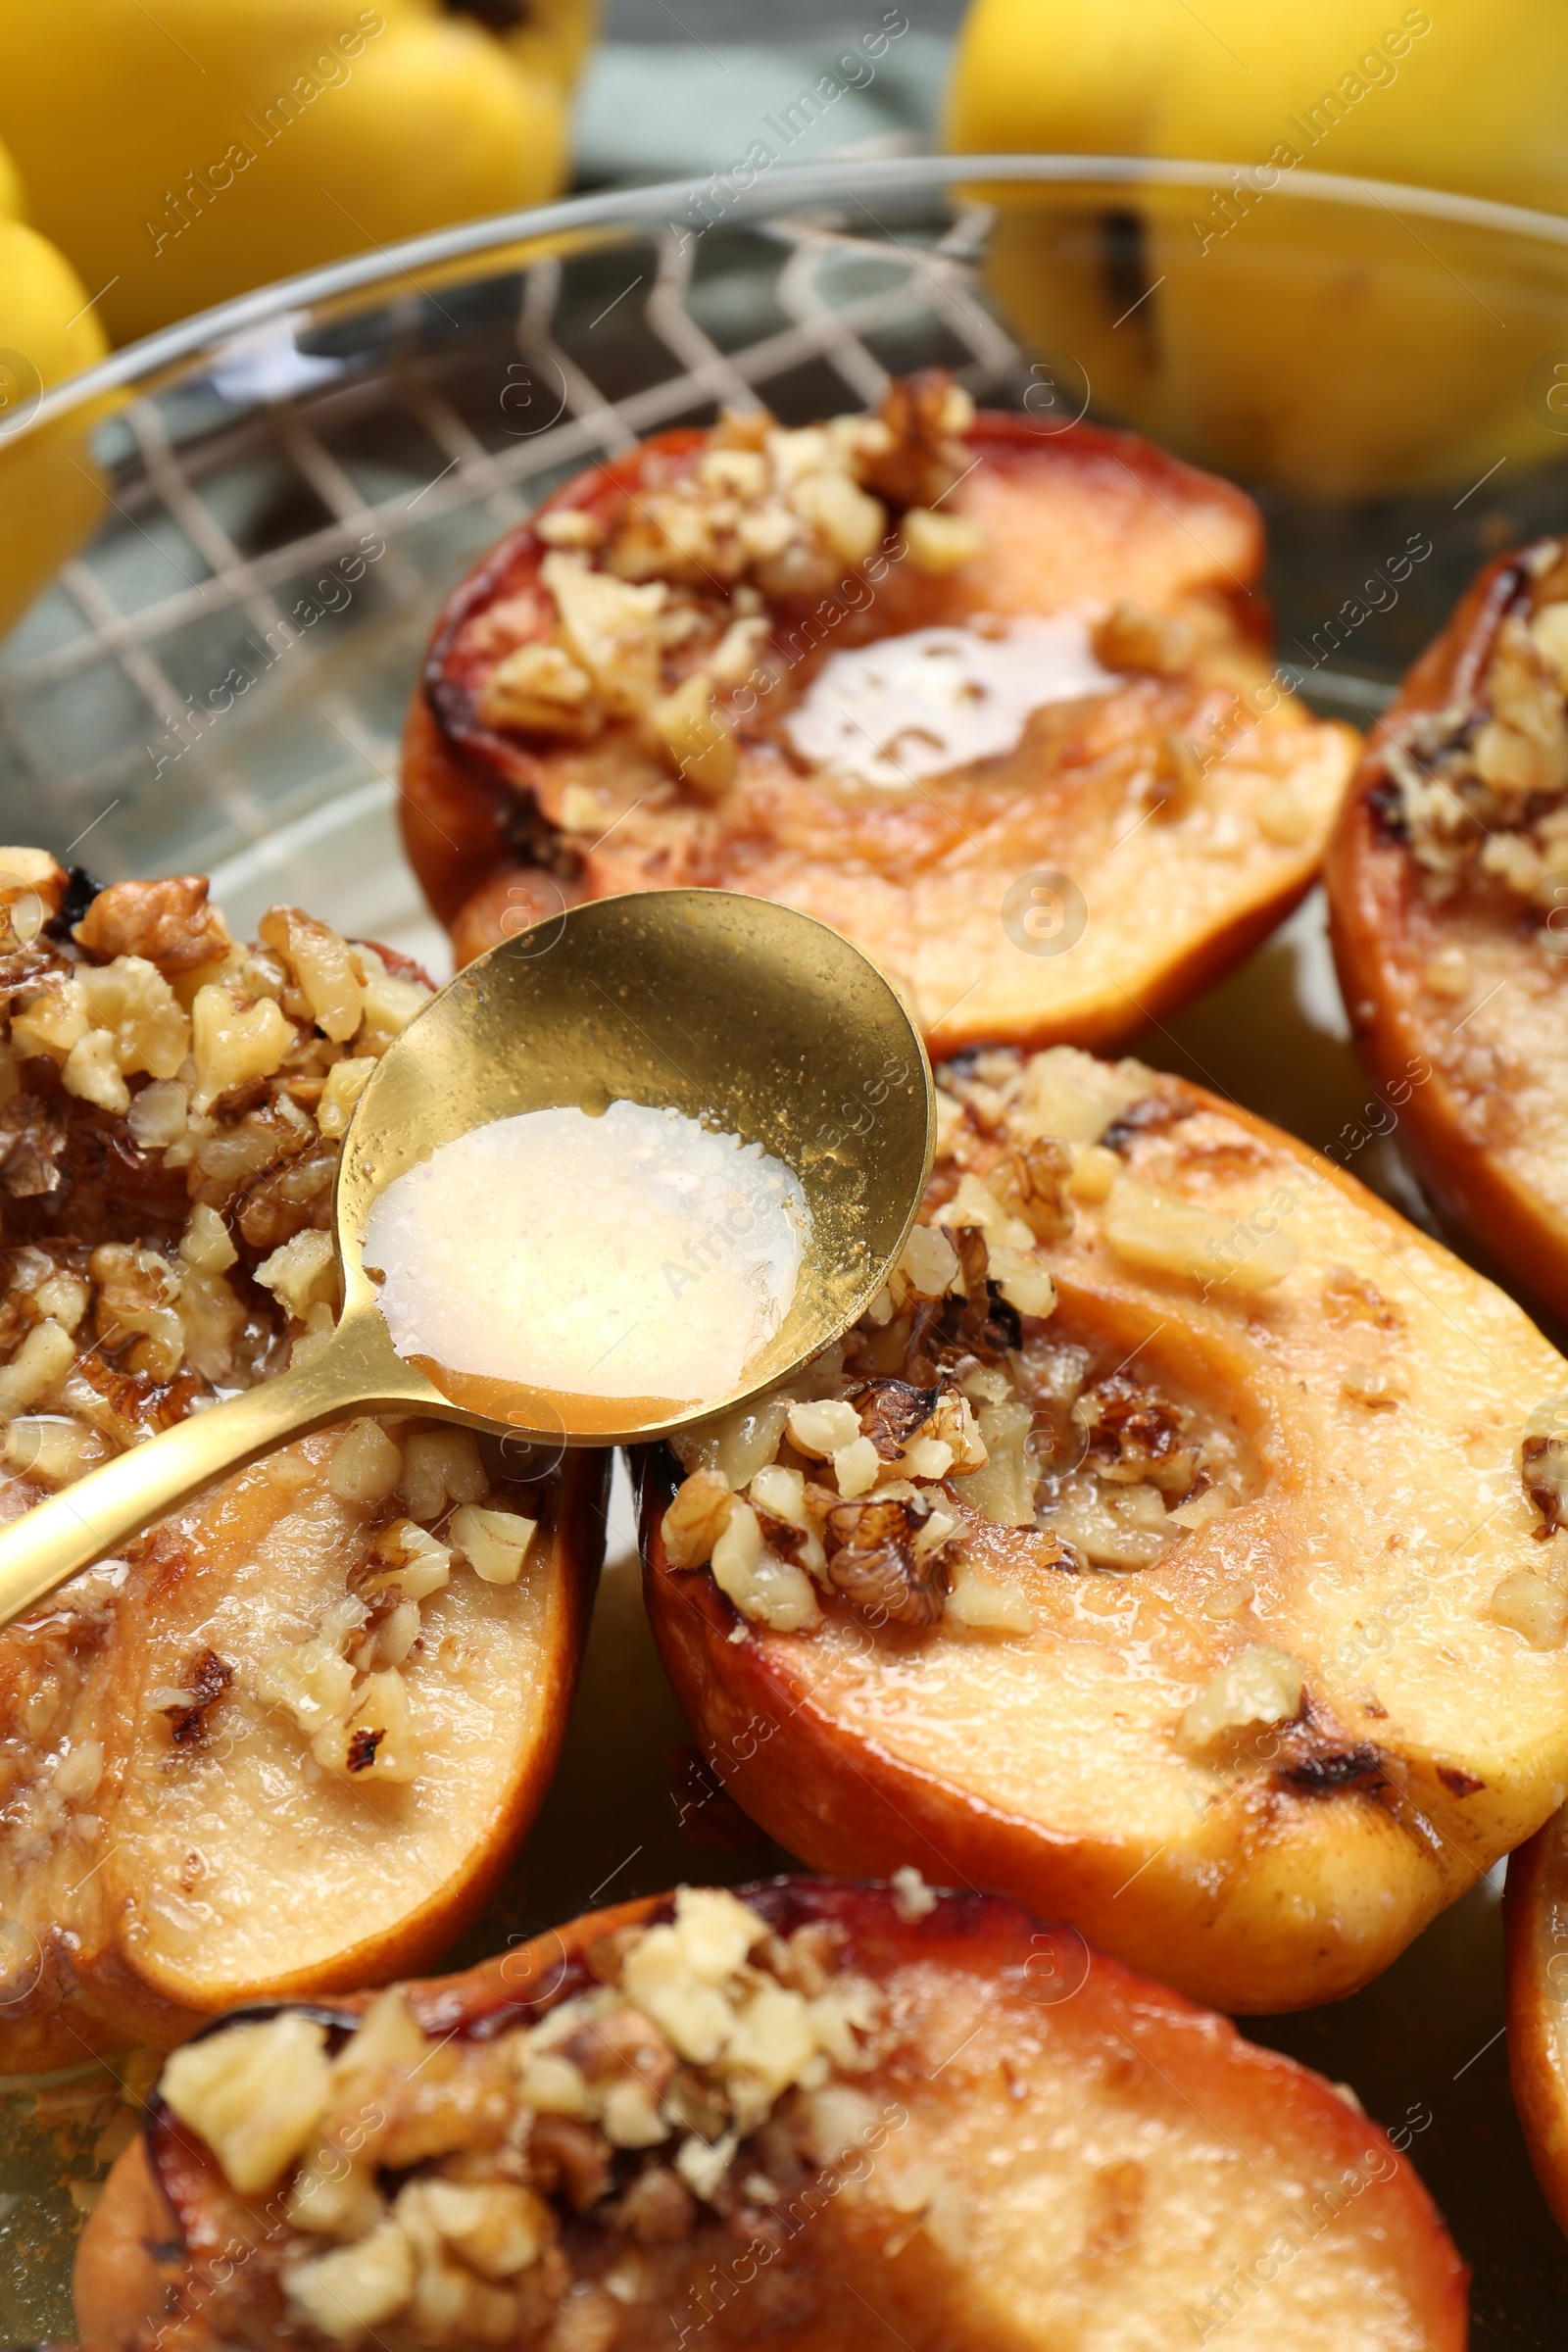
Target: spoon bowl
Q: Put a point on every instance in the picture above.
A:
(736, 1012)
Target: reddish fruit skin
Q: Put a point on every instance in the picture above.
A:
(110, 2004)
(1371, 883)
(167, 2209)
(824, 1807)
(459, 778)
(1535, 1998)
(465, 788)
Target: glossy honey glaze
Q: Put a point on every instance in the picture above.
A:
(554, 1266)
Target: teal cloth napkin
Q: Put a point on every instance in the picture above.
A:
(676, 110)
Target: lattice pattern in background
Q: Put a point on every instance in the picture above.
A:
(169, 702)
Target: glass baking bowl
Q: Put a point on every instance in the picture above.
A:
(290, 484)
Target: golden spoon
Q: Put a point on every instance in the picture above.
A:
(730, 1009)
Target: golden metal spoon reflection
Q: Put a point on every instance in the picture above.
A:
(729, 1009)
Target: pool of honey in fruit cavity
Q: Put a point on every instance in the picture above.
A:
(880, 716)
(629, 1267)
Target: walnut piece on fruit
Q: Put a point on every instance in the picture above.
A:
(953, 1404)
(1478, 789)
(656, 615)
(439, 2176)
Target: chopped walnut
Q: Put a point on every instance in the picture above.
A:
(1132, 1437)
(170, 923)
(878, 1560)
(956, 1404)
(329, 975)
(889, 1414)
(33, 890)
(1031, 1182)
(343, 1687)
(1480, 789)
(539, 689)
(136, 1290)
(765, 1588)
(924, 418)
(941, 543)
(1543, 1468)
(494, 1542)
(653, 615)
(696, 736)
(215, 1057)
(235, 1041)
(435, 2184)
(1131, 638)
(696, 1519)
(182, 1099)
(1261, 1685)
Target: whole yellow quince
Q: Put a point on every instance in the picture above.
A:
(549, 37)
(50, 490)
(183, 154)
(1348, 349)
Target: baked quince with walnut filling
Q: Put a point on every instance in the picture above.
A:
(889, 670)
(1162, 1548)
(1448, 895)
(755, 2117)
(290, 1740)
(1535, 1910)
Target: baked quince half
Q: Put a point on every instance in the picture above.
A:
(993, 702)
(1535, 1912)
(1448, 878)
(773, 2116)
(291, 1738)
(1161, 1550)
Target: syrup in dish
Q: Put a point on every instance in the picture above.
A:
(938, 699)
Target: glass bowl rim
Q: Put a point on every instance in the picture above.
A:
(289, 301)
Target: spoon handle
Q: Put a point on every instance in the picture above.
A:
(357, 1371)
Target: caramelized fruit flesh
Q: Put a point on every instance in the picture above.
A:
(290, 1741)
(1240, 1650)
(1448, 873)
(1185, 799)
(1535, 1919)
(1017, 2143)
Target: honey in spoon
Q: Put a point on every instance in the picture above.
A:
(748, 1022)
(630, 1265)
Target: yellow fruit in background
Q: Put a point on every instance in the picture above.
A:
(188, 153)
(551, 36)
(50, 490)
(1348, 349)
